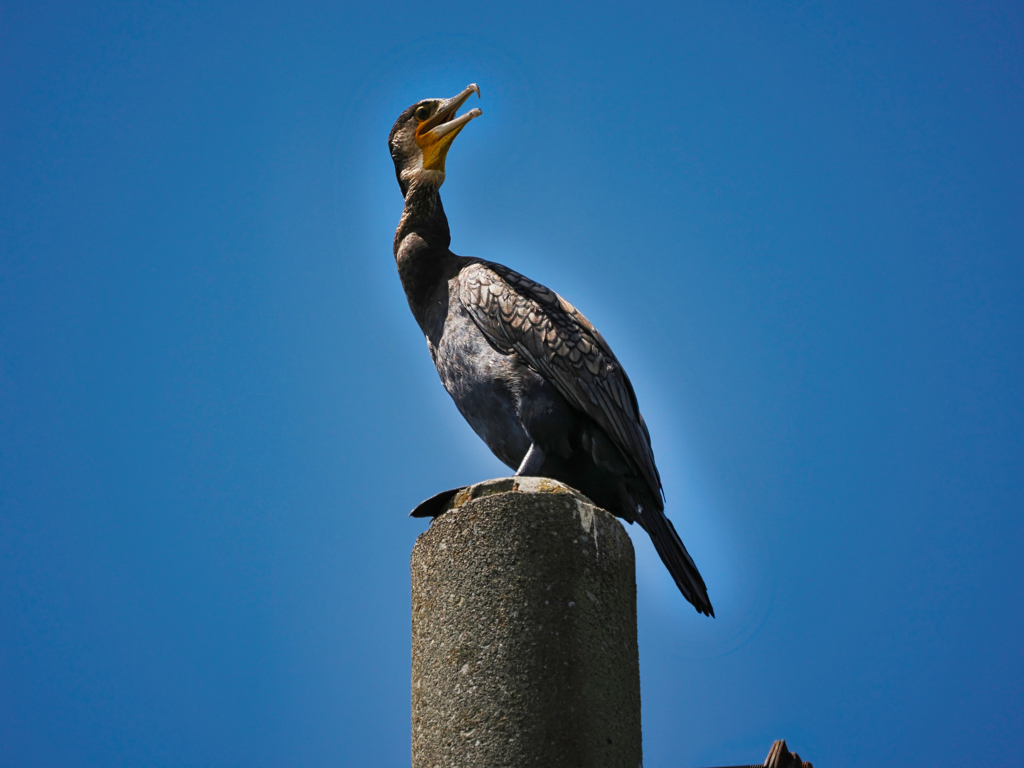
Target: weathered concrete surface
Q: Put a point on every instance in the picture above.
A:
(524, 647)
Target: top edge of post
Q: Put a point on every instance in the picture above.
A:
(542, 485)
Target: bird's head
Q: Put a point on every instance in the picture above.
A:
(422, 134)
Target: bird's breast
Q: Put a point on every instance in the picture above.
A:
(482, 381)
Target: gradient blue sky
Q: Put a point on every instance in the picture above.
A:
(800, 225)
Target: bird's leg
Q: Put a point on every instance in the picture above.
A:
(531, 462)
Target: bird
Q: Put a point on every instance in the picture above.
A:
(532, 376)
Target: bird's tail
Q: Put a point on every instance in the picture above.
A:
(676, 558)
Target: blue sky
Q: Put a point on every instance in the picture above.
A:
(800, 225)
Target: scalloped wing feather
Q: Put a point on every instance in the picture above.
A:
(558, 342)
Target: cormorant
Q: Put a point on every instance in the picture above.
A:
(530, 374)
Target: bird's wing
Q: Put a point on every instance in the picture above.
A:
(558, 342)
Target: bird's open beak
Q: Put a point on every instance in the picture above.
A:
(436, 134)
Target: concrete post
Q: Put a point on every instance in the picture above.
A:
(524, 646)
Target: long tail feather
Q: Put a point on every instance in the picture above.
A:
(676, 558)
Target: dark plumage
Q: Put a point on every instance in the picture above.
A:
(530, 374)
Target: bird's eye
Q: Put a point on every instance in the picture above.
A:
(422, 113)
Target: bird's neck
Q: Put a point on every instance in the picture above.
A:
(424, 215)
(421, 250)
